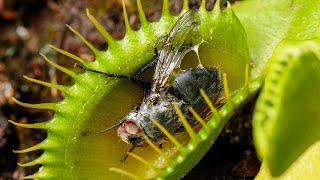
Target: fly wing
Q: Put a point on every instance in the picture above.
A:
(180, 40)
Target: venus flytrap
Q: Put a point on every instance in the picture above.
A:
(73, 150)
(287, 115)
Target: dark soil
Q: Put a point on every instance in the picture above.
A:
(232, 156)
(26, 28)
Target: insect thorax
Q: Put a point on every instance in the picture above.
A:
(162, 111)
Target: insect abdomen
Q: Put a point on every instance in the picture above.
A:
(186, 85)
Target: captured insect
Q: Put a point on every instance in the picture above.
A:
(170, 85)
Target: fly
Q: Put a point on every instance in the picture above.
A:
(166, 88)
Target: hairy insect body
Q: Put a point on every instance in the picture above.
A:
(160, 109)
(187, 85)
(182, 89)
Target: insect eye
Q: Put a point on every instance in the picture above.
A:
(132, 127)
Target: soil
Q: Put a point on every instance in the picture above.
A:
(26, 28)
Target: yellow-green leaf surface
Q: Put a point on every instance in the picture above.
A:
(287, 115)
(305, 167)
(74, 150)
(268, 22)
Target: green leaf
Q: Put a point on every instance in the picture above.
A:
(307, 166)
(287, 115)
(74, 150)
(269, 22)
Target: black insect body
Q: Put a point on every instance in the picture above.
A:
(183, 91)
(183, 88)
(186, 86)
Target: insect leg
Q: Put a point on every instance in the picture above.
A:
(104, 73)
(145, 85)
(126, 155)
(150, 64)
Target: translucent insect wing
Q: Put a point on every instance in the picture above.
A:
(177, 43)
